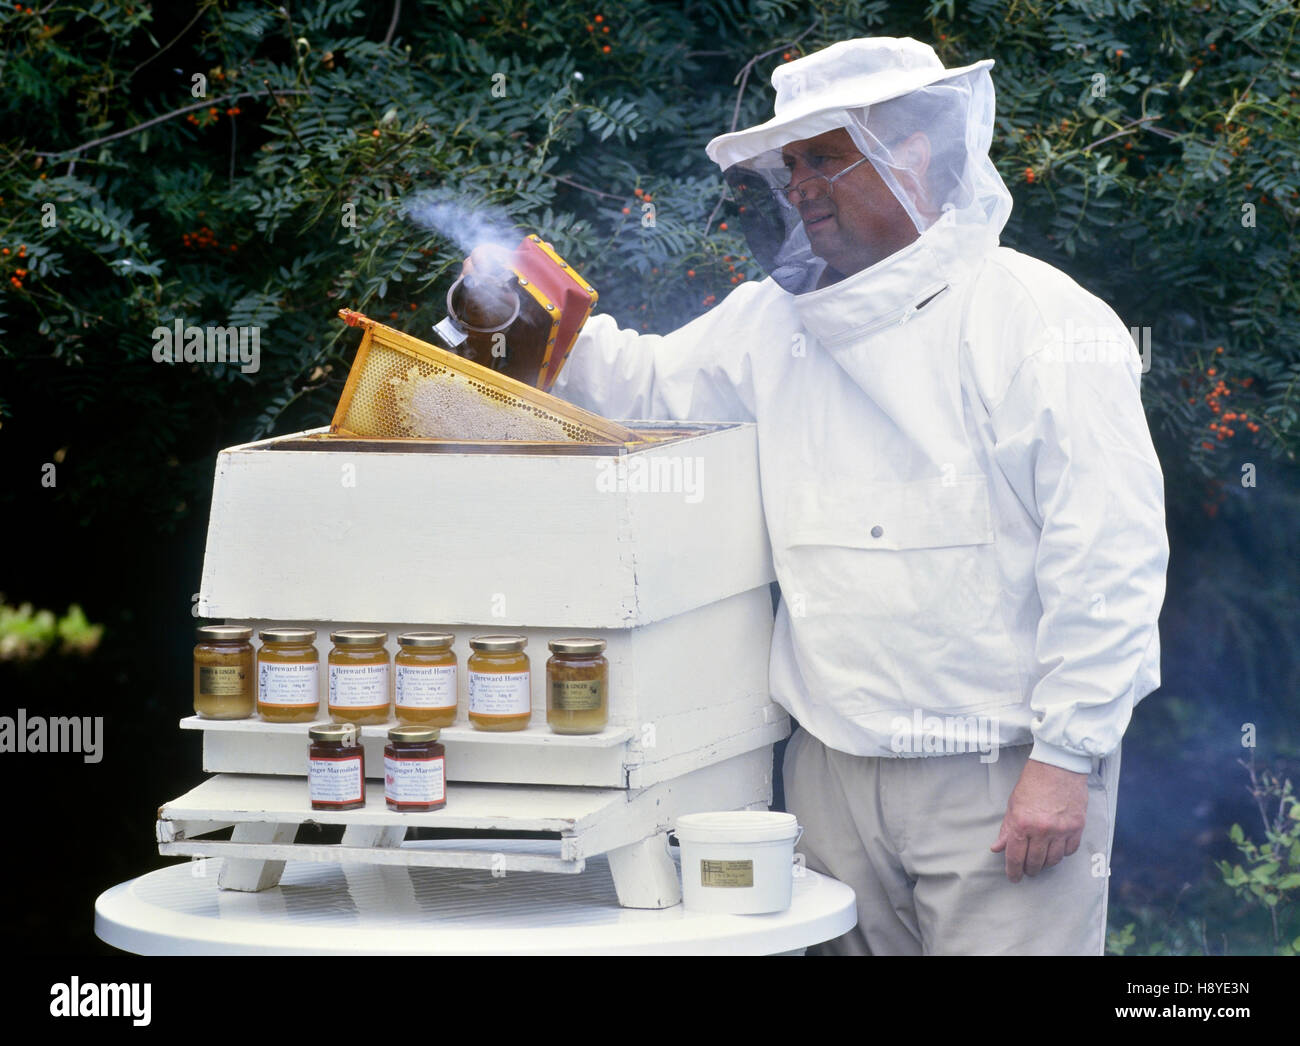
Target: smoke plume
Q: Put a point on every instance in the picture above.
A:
(458, 219)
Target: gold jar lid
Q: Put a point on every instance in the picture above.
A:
(500, 644)
(288, 635)
(335, 732)
(222, 633)
(588, 647)
(413, 733)
(358, 637)
(427, 639)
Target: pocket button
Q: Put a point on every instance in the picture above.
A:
(877, 531)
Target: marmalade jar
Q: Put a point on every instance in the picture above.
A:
(336, 767)
(360, 684)
(500, 684)
(425, 677)
(288, 675)
(577, 686)
(415, 769)
(223, 672)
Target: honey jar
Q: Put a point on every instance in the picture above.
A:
(425, 675)
(500, 684)
(223, 672)
(360, 684)
(577, 686)
(336, 767)
(288, 675)
(415, 769)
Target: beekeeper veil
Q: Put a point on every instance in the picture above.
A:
(882, 91)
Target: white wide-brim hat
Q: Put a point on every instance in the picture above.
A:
(813, 92)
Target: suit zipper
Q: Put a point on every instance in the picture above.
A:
(893, 319)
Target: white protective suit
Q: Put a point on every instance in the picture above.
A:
(965, 509)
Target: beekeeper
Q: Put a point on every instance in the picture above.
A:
(965, 509)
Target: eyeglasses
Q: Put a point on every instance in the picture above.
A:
(802, 188)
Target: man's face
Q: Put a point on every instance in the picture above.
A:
(860, 222)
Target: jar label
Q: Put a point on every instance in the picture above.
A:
(358, 686)
(221, 681)
(415, 780)
(335, 780)
(500, 693)
(426, 686)
(727, 874)
(577, 695)
(288, 686)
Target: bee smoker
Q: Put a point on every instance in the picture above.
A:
(521, 317)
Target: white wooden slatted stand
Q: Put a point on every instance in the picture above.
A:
(677, 582)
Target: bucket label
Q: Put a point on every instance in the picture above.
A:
(727, 873)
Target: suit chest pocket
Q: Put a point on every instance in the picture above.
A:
(890, 553)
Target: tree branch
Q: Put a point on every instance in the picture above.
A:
(749, 66)
(392, 25)
(740, 95)
(287, 122)
(203, 8)
(583, 188)
(206, 104)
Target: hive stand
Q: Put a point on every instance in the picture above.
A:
(540, 542)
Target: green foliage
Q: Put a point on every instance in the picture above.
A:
(1118, 942)
(1271, 875)
(27, 635)
(232, 212)
(1161, 145)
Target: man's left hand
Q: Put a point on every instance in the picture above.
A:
(1044, 819)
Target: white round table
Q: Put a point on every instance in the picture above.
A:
(362, 909)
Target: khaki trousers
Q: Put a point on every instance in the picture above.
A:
(912, 837)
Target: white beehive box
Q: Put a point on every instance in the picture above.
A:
(675, 577)
(660, 548)
(526, 539)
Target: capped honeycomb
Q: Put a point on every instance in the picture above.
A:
(400, 387)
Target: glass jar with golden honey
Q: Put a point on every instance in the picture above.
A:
(288, 675)
(223, 672)
(577, 686)
(500, 683)
(360, 681)
(425, 676)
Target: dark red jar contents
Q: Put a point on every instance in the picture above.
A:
(336, 767)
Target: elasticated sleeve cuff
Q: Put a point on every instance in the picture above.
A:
(1054, 755)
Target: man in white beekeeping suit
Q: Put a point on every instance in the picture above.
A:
(965, 509)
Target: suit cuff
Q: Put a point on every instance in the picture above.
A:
(1055, 755)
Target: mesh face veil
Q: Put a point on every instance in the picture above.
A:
(952, 180)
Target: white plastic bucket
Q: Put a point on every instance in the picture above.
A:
(738, 862)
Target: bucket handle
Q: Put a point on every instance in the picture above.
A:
(797, 858)
(797, 835)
